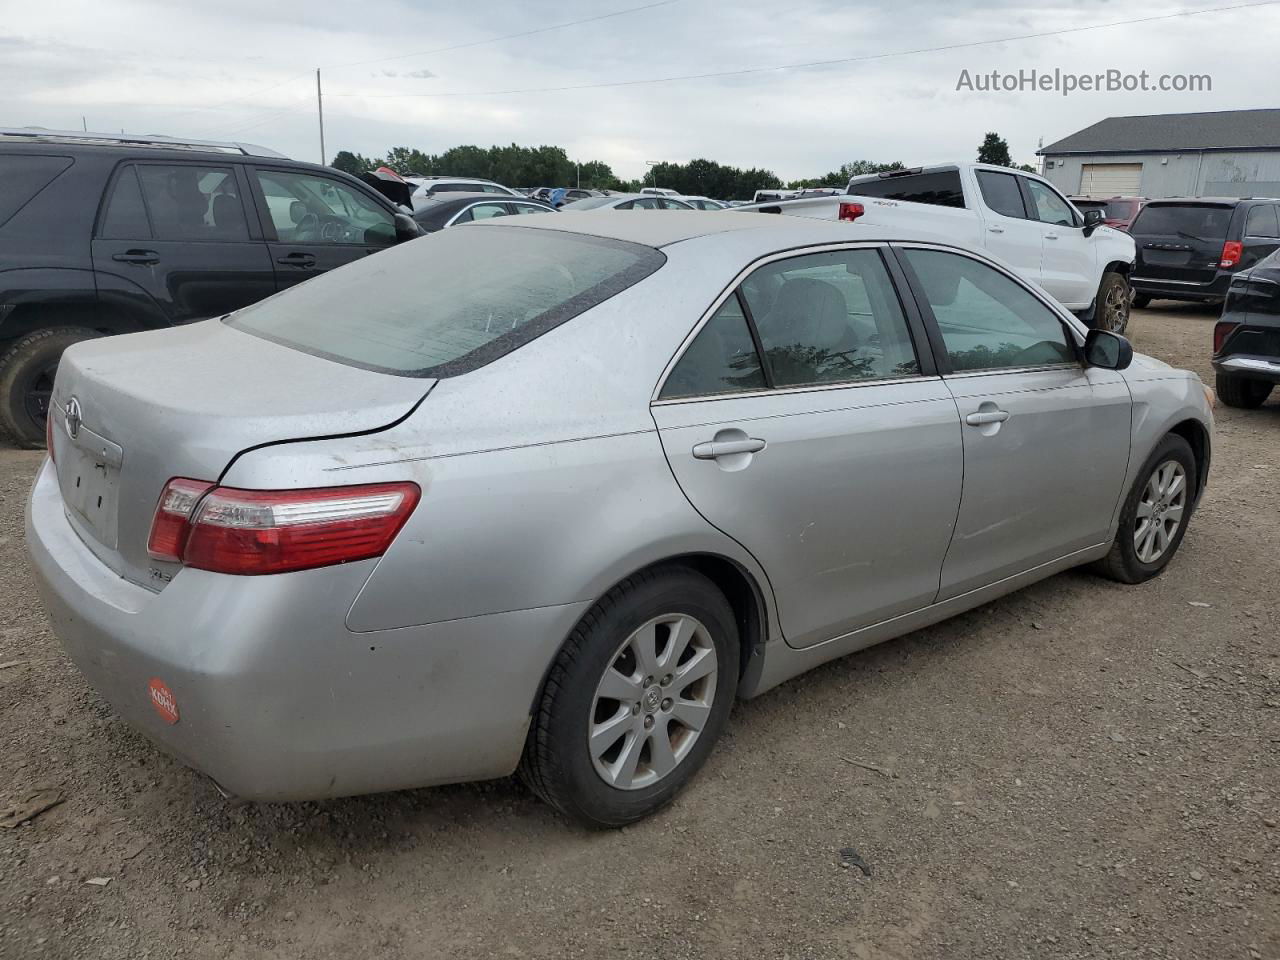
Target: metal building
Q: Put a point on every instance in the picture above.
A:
(1226, 153)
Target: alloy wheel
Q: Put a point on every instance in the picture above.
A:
(652, 702)
(1160, 511)
(1115, 309)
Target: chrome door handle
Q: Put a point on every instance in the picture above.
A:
(986, 416)
(995, 229)
(711, 449)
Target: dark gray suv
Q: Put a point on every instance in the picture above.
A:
(113, 234)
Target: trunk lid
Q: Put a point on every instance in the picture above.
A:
(1180, 241)
(129, 413)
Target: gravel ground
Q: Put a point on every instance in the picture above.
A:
(1078, 770)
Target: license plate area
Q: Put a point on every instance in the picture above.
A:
(89, 477)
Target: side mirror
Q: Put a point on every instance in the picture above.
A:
(406, 228)
(1107, 350)
(1092, 220)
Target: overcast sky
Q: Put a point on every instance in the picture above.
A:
(244, 69)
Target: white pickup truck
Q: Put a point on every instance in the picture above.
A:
(1019, 217)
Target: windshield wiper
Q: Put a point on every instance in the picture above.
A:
(1190, 236)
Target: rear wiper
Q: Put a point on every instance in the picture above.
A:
(1190, 236)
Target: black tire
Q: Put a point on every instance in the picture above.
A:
(1111, 309)
(1122, 563)
(557, 764)
(1241, 391)
(1141, 301)
(26, 381)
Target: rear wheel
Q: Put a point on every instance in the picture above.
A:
(26, 381)
(1112, 310)
(1242, 392)
(1155, 514)
(1141, 301)
(636, 699)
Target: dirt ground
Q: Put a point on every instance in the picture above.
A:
(1079, 770)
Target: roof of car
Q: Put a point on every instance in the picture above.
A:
(660, 228)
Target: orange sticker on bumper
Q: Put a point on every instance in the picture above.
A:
(163, 700)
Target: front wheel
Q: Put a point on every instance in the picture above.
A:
(1112, 310)
(635, 700)
(1155, 514)
(1242, 392)
(26, 381)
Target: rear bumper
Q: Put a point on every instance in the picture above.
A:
(1250, 368)
(276, 699)
(1161, 289)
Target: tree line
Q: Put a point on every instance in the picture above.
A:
(548, 166)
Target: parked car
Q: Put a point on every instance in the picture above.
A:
(1019, 217)
(702, 203)
(449, 209)
(628, 201)
(1117, 212)
(581, 193)
(427, 187)
(772, 196)
(1189, 249)
(103, 234)
(660, 191)
(1246, 341)
(308, 547)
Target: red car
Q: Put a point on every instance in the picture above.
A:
(1117, 212)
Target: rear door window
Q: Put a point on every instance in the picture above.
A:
(941, 188)
(438, 307)
(1192, 221)
(193, 202)
(830, 317)
(1262, 222)
(125, 217)
(1000, 192)
(22, 176)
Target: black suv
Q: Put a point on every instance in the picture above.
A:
(1189, 249)
(102, 235)
(1246, 341)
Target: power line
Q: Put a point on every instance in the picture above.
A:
(509, 36)
(816, 63)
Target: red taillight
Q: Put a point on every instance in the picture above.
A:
(172, 521)
(851, 211)
(251, 532)
(1221, 330)
(1231, 253)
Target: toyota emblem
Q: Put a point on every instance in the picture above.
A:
(73, 418)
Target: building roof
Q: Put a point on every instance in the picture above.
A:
(1171, 132)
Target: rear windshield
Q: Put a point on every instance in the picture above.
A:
(450, 302)
(22, 176)
(941, 188)
(1195, 221)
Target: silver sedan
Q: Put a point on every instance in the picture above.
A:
(549, 493)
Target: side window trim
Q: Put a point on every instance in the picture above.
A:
(941, 357)
(918, 330)
(123, 169)
(765, 366)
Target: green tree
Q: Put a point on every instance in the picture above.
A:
(847, 171)
(994, 149)
(352, 163)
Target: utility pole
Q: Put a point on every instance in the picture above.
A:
(84, 123)
(320, 114)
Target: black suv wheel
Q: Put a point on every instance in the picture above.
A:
(27, 370)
